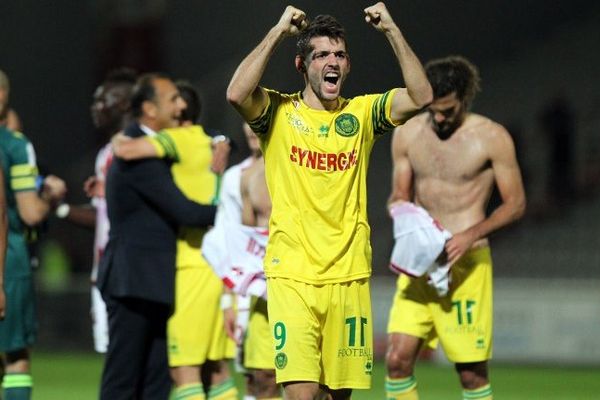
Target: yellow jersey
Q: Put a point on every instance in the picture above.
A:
(316, 169)
(190, 149)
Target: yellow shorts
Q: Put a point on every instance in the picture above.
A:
(195, 332)
(322, 333)
(462, 320)
(258, 341)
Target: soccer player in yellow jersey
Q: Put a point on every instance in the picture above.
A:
(197, 342)
(448, 160)
(316, 147)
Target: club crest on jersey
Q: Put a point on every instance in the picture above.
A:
(346, 125)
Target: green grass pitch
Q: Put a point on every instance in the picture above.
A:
(75, 376)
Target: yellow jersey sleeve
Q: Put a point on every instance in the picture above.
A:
(262, 124)
(381, 114)
(165, 144)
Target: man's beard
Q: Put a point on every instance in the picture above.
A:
(444, 131)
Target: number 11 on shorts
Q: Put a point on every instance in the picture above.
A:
(351, 322)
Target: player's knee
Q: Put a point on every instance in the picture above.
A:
(263, 383)
(472, 375)
(264, 375)
(16, 361)
(398, 364)
(341, 394)
(303, 391)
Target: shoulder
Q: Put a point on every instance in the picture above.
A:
(486, 128)
(133, 130)
(13, 136)
(412, 128)
(16, 143)
(493, 135)
(104, 151)
(277, 98)
(370, 98)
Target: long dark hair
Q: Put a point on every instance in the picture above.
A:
(454, 74)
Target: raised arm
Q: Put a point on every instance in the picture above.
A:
(418, 93)
(507, 175)
(243, 92)
(402, 171)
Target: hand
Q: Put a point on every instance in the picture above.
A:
(458, 245)
(220, 157)
(116, 142)
(93, 187)
(229, 322)
(292, 21)
(54, 189)
(379, 17)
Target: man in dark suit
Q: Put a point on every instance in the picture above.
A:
(137, 271)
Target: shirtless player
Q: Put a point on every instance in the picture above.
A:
(448, 160)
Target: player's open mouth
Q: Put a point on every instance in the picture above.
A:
(332, 77)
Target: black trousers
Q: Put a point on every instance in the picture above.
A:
(136, 364)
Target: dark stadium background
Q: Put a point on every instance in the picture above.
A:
(531, 54)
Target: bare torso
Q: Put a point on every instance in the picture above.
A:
(255, 195)
(453, 179)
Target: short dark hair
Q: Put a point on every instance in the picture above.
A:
(454, 74)
(121, 75)
(190, 95)
(122, 79)
(144, 91)
(322, 25)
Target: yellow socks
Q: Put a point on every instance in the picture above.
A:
(225, 390)
(401, 388)
(192, 391)
(482, 393)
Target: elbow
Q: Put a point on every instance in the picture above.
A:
(234, 97)
(520, 208)
(198, 215)
(32, 219)
(424, 97)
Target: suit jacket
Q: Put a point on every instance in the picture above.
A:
(145, 207)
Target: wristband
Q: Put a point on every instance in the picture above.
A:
(226, 301)
(62, 211)
(220, 138)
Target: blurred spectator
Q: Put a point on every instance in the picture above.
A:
(8, 116)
